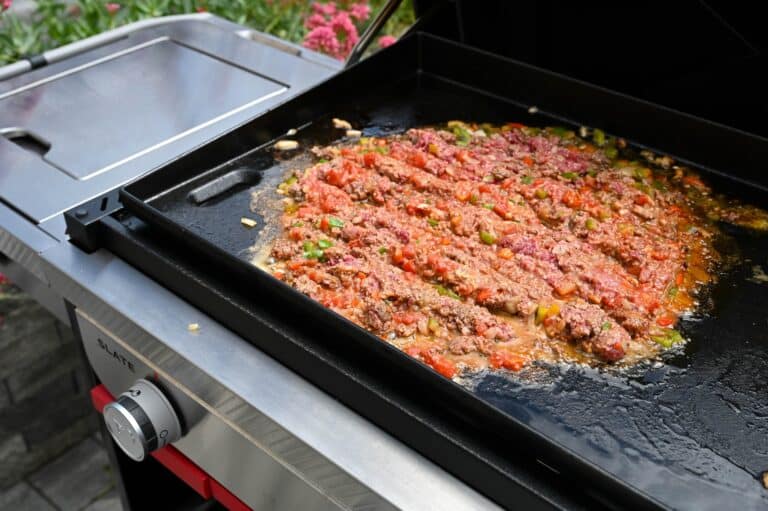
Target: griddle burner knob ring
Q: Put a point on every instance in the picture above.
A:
(142, 420)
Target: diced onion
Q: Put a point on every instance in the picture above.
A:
(286, 145)
(341, 124)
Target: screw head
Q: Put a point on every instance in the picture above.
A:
(81, 213)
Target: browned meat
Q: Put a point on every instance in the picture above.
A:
(471, 249)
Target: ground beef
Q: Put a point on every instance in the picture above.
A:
(472, 248)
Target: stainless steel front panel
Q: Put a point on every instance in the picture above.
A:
(246, 469)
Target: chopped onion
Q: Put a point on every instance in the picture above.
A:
(286, 145)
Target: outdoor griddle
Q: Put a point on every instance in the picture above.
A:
(281, 404)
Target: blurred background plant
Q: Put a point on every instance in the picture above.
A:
(329, 27)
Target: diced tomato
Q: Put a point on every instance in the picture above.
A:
(409, 266)
(413, 351)
(679, 279)
(465, 289)
(341, 175)
(280, 275)
(295, 234)
(571, 199)
(438, 264)
(483, 295)
(441, 364)
(659, 255)
(294, 265)
(370, 159)
(565, 287)
(406, 318)
(337, 300)
(463, 156)
(528, 160)
(610, 300)
(347, 152)
(505, 253)
(396, 254)
(445, 241)
(642, 200)
(335, 176)
(504, 360)
(647, 300)
(485, 188)
(418, 159)
(325, 224)
(420, 181)
(503, 210)
(409, 251)
(463, 191)
(666, 319)
(480, 327)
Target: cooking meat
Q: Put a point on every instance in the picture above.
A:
(477, 246)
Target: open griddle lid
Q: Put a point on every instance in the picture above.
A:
(703, 58)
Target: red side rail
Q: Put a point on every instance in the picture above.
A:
(184, 468)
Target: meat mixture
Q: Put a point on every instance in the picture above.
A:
(475, 246)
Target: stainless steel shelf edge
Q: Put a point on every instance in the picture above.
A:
(20, 246)
(272, 407)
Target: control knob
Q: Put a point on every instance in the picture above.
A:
(142, 420)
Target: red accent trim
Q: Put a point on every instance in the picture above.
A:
(100, 397)
(227, 498)
(184, 468)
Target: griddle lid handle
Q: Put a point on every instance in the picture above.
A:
(27, 140)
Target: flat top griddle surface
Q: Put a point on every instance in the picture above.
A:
(689, 432)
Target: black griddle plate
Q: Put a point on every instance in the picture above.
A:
(689, 433)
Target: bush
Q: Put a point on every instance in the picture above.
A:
(55, 22)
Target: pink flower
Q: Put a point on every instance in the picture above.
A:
(112, 7)
(332, 30)
(323, 39)
(328, 9)
(387, 40)
(360, 11)
(314, 21)
(6, 5)
(3, 278)
(346, 31)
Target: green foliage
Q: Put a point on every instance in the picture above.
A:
(56, 23)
